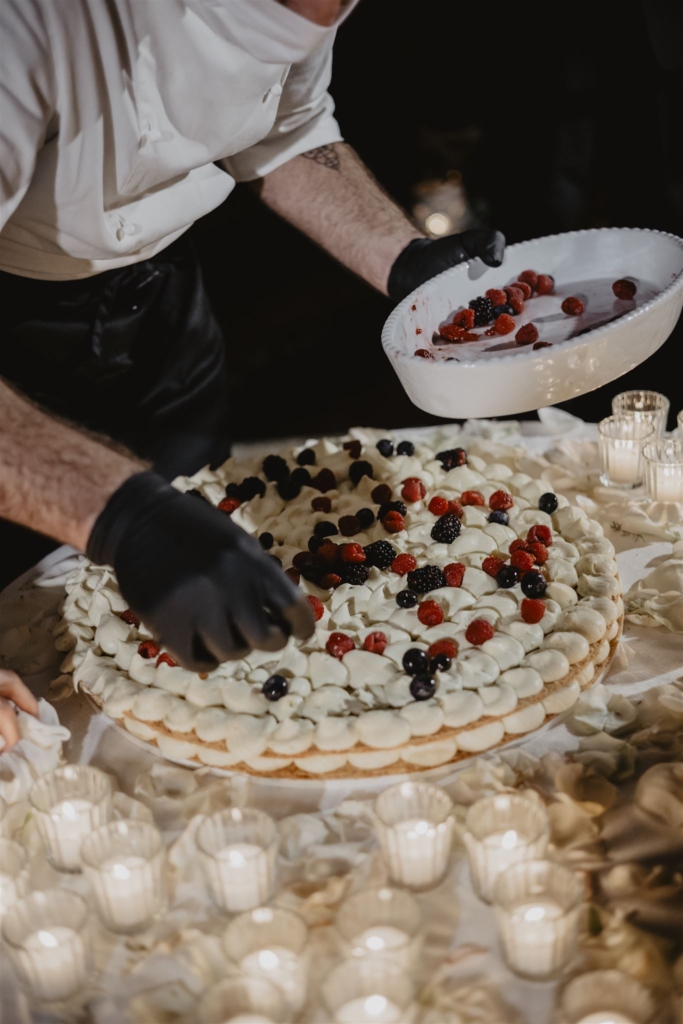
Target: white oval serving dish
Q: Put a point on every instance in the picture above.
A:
(497, 377)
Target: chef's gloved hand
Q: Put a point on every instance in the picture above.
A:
(200, 583)
(424, 258)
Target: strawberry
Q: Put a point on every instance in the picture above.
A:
(530, 277)
(545, 284)
(464, 318)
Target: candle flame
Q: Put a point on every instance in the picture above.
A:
(268, 960)
(69, 811)
(509, 840)
(375, 1006)
(120, 871)
(237, 859)
(47, 939)
(375, 942)
(534, 914)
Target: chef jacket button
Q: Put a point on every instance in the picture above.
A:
(275, 90)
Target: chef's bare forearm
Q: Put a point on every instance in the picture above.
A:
(53, 478)
(330, 195)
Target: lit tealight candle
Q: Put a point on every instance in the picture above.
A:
(381, 922)
(664, 470)
(414, 826)
(369, 1010)
(606, 997)
(69, 803)
(621, 442)
(502, 830)
(381, 939)
(242, 1000)
(606, 1018)
(238, 852)
(13, 874)
(369, 991)
(283, 968)
(271, 943)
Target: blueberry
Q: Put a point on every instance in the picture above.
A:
(415, 661)
(499, 517)
(385, 448)
(325, 529)
(302, 476)
(440, 663)
(405, 448)
(422, 687)
(548, 503)
(406, 599)
(534, 585)
(306, 457)
(499, 310)
(359, 469)
(366, 517)
(507, 577)
(289, 489)
(266, 540)
(275, 687)
(315, 542)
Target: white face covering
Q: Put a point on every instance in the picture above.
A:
(271, 32)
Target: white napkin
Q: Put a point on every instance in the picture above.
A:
(38, 751)
(657, 600)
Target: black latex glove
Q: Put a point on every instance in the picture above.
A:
(200, 583)
(424, 258)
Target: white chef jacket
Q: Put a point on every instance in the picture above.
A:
(112, 113)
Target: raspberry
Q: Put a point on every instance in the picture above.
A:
(403, 564)
(542, 344)
(328, 552)
(491, 333)
(166, 659)
(325, 480)
(228, 505)
(492, 565)
(572, 306)
(478, 632)
(500, 500)
(454, 574)
(497, 296)
(504, 324)
(455, 507)
(530, 277)
(438, 506)
(354, 448)
(464, 318)
(452, 457)
(375, 642)
(527, 334)
(130, 617)
(352, 553)
(413, 489)
(469, 336)
(518, 545)
(380, 554)
(149, 649)
(429, 577)
(339, 644)
(424, 353)
(516, 304)
(540, 552)
(532, 609)
(381, 493)
(355, 574)
(445, 646)
(317, 606)
(293, 574)
(522, 560)
(349, 526)
(429, 613)
(455, 334)
(472, 498)
(393, 522)
(624, 289)
(524, 288)
(545, 284)
(542, 533)
(330, 581)
(321, 505)
(446, 529)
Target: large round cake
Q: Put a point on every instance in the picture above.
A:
(460, 604)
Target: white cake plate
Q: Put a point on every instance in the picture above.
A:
(497, 377)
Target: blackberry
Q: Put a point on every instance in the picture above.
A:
(483, 311)
(405, 448)
(428, 577)
(289, 489)
(231, 491)
(548, 503)
(385, 448)
(306, 457)
(275, 687)
(499, 517)
(266, 540)
(359, 469)
(406, 599)
(311, 571)
(452, 457)
(507, 576)
(415, 661)
(250, 487)
(446, 529)
(380, 554)
(275, 468)
(194, 493)
(440, 663)
(423, 687)
(533, 584)
(355, 573)
(366, 517)
(499, 310)
(391, 506)
(302, 476)
(325, 529)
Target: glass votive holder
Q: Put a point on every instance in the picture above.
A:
(369, 991)
(69, 803)
(606, 997)
(537, 905)
(14, 874)
(4, 828)
(272, 943)
(244, 1000)
(648, 406)
(381, 922)
(621, 441)
(414, 825)
(664, 469)
(125, 864)
(238, 853)
(46, 937)
(502, 830)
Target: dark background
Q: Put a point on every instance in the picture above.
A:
(552, 118)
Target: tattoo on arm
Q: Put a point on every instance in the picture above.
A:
(326, 156)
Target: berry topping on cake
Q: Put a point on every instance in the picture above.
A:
(366, 517)
(381, 494)
(572, 306)
(352, 553)
(438, 506)
(355, 574)
(300, 476)
(149, 649)
(455, 507)
(539, 533)
(275, 687)
(532, 610)
(452, 457)
(275, 468)
(306, 457)
(502, 518)
(354, 448)
(545, 284)
(413, 489)
(548, 503)
(325, 480)
(380, 554)
(360, 469)
(483, 311)
(530, 277)
(500, 501)
(403, 564)
(430, 614)
(321, 505)
(478, 632)
(472, 498)
(325, 529)
(339, 644)
(423, 687)
(504, 324)
(166, 659)
(507, 577)
(534, 585)
(527, 334)
(130, 617)
(454, 574)
(446, 529)
(492, 565)
(624, 289)
(415, 661)
(330, 581)
(288, 489)
(429, 577)
(406, 599)
(522, 560)
(392, 506)
(349, 526)
(375, 642)
(228, 505)
(385, 448)
(317, 606)
(405, 448)
(393, 522)
(540, 552)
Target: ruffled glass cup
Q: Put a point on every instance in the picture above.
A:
(272, 943)
(414, 825)
(14, 874)
(238, 850)
(605, 997)
(500, 831)
(369, 991)
(381, 922)
(69, 803)
(664, 470)
(242, 999)
(621, 440)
